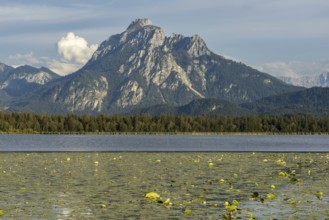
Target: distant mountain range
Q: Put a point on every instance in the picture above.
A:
(142, 71)
(17, 82)
(321, 80)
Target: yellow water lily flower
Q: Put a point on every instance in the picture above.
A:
(196, 160)
(222, 181)
(188, 212)
(295, 202)
(283, 174)
(281, 162)
(271, 196)
(153, 196)
(167, 202)
(230, 208)
(210, 164)
(319, 194)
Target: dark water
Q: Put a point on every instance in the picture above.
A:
(268, 143)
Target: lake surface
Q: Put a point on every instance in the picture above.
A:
(190, 185)
(108, 176)
(171, 143)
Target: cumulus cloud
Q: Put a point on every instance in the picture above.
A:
(75, 49)
(74, 52)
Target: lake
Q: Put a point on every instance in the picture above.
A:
(108, 177)
(276, 143)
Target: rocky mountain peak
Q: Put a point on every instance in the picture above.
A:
(4, 68)
(139, 23)
(140, 33)
(197, 47)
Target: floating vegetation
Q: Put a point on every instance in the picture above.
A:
(164, 185)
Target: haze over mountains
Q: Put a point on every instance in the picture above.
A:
(141, 70)
(321, 80)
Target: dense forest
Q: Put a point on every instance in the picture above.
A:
(45, 124)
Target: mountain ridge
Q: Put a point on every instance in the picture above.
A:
(142, 67)
(141, 70)
(24, 79)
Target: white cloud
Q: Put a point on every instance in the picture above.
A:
(75, 49)
(278, 69)
(59, 67)
(29, 58)
(63, 68)
(295, 69)
(231, 58)
(74, 52)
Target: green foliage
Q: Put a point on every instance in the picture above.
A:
(309, 101)
(41, 123)
(197, 107)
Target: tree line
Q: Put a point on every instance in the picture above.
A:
(70, 123)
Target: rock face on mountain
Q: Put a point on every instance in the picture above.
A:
(321, 80)
(4, 69)
(142, 67)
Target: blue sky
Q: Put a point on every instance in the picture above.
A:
(282, 37)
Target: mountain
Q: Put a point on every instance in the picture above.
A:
(18, 81)
(4, 69)
(197, 107)
(309, 101)
(321, 80)
(142, 67)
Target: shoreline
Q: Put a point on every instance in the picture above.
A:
(169, 133)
